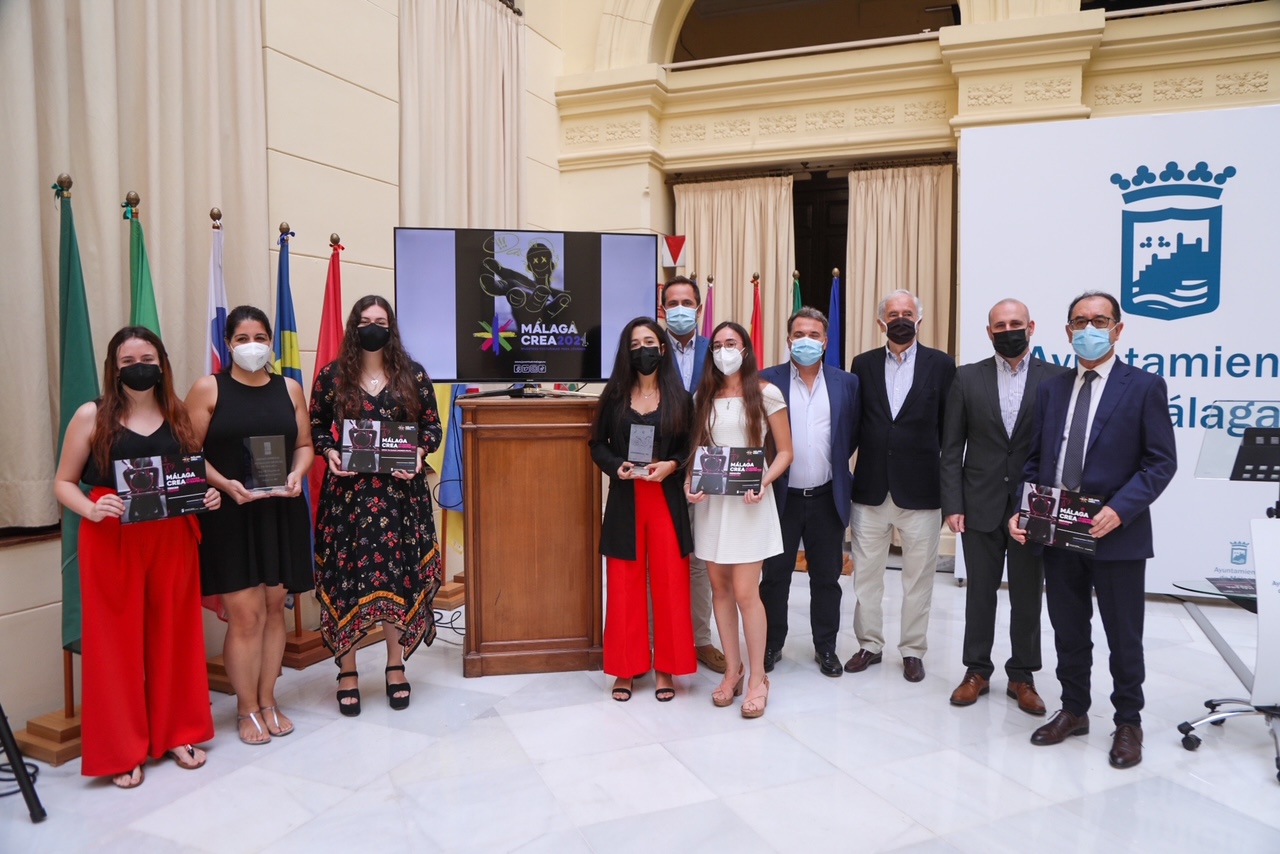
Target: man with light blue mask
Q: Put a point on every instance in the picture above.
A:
(1103, 430)
(681, 308)
(814, 495)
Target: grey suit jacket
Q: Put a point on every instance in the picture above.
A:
(982, 464)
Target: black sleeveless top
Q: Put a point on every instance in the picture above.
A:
(130, 445)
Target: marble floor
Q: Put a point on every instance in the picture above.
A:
(549, 763)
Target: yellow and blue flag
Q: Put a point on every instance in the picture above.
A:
(288, 356)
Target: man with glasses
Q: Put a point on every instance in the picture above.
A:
(1104, 430)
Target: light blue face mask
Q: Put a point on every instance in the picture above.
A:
(806, 351)
(681, 319)
(1091, 343)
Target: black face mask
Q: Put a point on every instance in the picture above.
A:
(373, 337)
(140, 376)
(1010, 343)
(646, 359)
(901, 330)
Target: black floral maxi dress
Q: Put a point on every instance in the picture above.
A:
(377, 558)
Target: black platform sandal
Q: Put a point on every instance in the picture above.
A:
(349, 709)
(398, 694)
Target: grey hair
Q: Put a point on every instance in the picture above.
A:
(812, 314)
(900, 293)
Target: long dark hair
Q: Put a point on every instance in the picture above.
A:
(399, 368)
(713, 380)
(114, 405)
(242, 314)
(673, 409)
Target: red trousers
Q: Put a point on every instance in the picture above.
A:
(143, 674)
(626, 626)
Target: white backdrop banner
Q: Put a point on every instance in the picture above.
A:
(1178, 217)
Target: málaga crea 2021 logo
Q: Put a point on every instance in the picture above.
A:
(1171, 258)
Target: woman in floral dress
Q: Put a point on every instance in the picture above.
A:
(377, 558)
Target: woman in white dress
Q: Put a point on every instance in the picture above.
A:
(735, 533)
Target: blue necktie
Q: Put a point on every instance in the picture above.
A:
(1073, 462)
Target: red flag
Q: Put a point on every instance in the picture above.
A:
(757, 321)
(327, 348)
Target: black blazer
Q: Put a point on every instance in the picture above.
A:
(899, 457)
(981, 463)
(609, 451)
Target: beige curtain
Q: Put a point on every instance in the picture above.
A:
(163, 98)
(899, 237)
(461, 79)
(735, 229)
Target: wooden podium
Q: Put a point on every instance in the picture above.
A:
(532, 508)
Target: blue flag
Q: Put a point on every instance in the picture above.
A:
(450, 493)
(288, 356)
(835, 340)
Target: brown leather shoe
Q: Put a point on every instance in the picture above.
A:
(712, 658)
(1059, 727)
(1126, 746)
(862, 659)
(973, 686)
(1028, 700)
(912, 669)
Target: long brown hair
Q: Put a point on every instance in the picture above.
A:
(673, 405)
(399, 367)
(114, 405)
(713, 380)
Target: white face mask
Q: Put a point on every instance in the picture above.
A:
(252, 356)
(728, 361)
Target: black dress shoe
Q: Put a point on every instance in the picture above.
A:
(1126, 746)
(912, 668)
(771, 657)
(828, 663)
(1060, 727)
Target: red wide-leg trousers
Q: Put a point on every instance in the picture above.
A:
(626, 626)
(144, 679)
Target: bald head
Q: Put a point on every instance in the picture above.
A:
(1008, 309)
(1010, 327)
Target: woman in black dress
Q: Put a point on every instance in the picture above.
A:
(377, 559)
(257, 548)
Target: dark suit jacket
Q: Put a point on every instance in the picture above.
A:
(700, 345)
(1130, 458)
(981, 463)
(842, 393)
(609, 451)
(899, 457)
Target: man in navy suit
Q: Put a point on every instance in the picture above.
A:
(904, 389)
(986, 437)
(681, 308)
(1104, 430)
(813, 495)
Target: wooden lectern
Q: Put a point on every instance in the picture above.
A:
(532, 508)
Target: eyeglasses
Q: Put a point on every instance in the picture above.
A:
(1100, 322)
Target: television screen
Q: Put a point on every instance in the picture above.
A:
(485, 305)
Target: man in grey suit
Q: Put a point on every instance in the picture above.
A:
(986, 437)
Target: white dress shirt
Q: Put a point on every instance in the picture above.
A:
(1095, 395)
(810, 412)
(899, 375)
(684, 358)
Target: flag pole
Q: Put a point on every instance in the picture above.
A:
(285, 231)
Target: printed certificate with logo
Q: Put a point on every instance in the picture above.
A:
(379, 446)
(1059, 518)
(161, 487)
(727, 471)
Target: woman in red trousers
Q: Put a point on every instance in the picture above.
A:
(641, 439)
(144, 680)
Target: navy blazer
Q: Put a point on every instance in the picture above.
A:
(900, 456)
(1131, 456)
(842, 393)
(700, 345)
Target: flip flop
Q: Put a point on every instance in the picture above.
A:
(130, 784)
(176, 754)
(275, 713)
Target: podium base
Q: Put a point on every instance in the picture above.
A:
(51, 738)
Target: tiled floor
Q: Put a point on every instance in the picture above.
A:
(866, 762)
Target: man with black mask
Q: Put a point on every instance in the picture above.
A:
(904, 386)
(986, 437)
